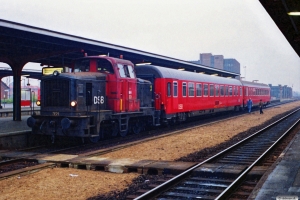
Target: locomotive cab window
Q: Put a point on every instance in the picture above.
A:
(131, 71)
(80, 89)
(126, 71)
(82, 65)
(104, 66)
(123, 71)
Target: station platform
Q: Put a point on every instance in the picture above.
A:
(8, 126)
(282, 180)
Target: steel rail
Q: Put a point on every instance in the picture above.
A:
(226, 193)
(166, 185)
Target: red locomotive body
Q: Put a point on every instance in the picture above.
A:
(121, 86)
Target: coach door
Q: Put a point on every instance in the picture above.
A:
(170, 101)
(175, 96)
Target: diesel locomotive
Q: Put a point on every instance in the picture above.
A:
(101, 96)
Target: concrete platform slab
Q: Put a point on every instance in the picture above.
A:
(284, 178)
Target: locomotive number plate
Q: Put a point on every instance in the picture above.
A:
(55, 113)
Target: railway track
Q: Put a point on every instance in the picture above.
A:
(93, 149)
(219, 176)
(114, 144)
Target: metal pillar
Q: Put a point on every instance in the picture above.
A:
(0, 92)
(17, 92)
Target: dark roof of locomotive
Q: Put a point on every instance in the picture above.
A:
(163, 72)
(252, 84)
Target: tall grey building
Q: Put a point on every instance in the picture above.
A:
(218, 61)
(232, 65)
(206, 59)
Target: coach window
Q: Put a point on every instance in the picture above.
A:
(199, 89)
(222, 92)
(230, 90)
(169, 89)
(191, 89)
(211, 90)
(217, 90)
(175, 89)
(205, 90)
(226, 90)
(241, 91)
(184, 89)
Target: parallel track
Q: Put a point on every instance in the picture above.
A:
(218, 176)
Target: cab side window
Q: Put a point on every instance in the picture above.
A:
(82, 65)
(122, 71)
(126, 71)
(131, 71)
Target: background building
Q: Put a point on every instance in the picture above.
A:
(219, 62)
(281, 92)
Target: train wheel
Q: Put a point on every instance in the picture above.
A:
(100, 135)
(136, 128)
(123, 133)
(115, 129)
(94, 139)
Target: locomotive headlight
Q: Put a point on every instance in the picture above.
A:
(55, 73)
(38, 103)
(73, 103)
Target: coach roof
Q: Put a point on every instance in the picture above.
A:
(163, 72)
(252, 84)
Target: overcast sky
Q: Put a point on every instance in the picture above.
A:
(180, 29)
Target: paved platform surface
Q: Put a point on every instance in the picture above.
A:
(7, 125)
(284, 179)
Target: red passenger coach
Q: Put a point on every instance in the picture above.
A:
(182, 94)
(256, 92)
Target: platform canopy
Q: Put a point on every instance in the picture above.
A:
(20, 44)
(33, 44)
(281, 13)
